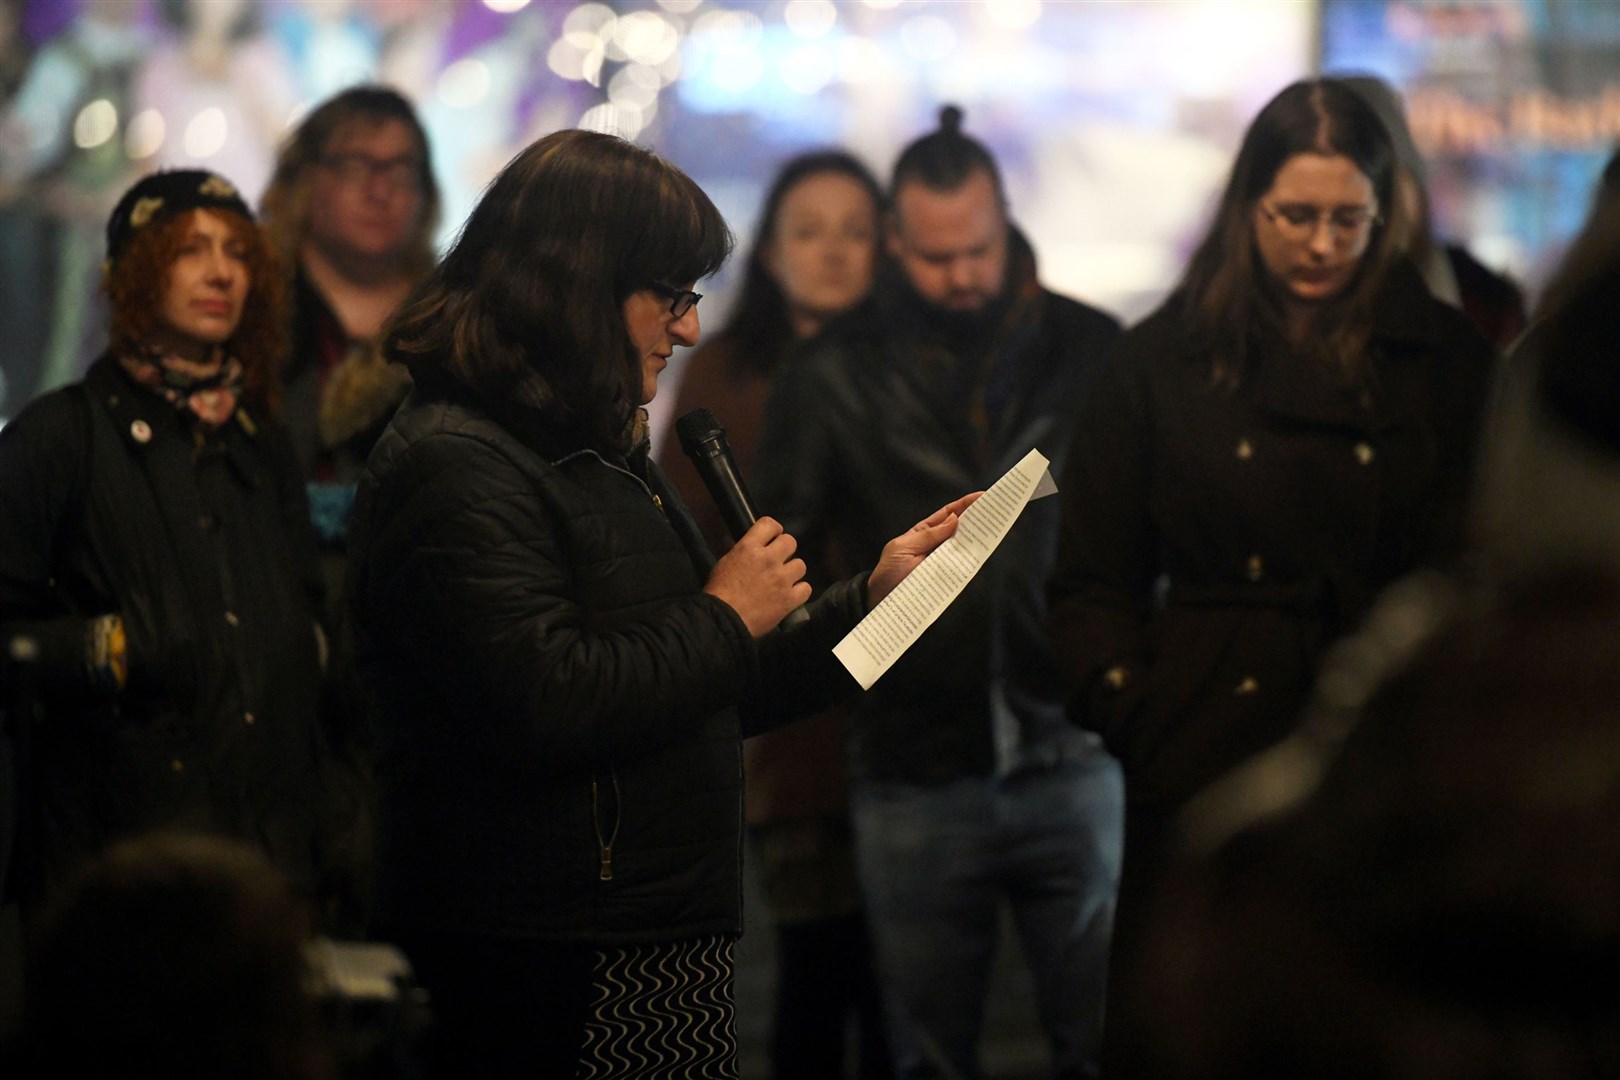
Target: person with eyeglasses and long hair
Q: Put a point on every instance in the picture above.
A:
(562, 672)
(1292, 430)
(351, 212)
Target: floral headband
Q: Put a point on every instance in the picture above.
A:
(163, 194)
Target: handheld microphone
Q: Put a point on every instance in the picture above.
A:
(704, 441)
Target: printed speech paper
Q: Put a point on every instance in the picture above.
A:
(890, 628)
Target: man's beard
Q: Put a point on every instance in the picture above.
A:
(966, 324)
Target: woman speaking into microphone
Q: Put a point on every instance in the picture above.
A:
(561, 675)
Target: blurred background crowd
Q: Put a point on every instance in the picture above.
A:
(363, 132)
(1114, 123)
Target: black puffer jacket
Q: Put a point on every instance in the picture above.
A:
(556, 697)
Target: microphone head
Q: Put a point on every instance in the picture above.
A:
(696, 428)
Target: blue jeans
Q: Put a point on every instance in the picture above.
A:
(936, 864)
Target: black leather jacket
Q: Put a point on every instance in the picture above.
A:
(886, 417)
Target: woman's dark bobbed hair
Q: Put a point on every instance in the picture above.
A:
(529, 301)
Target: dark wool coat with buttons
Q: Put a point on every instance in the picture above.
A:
(556, 697)
(113, 502)
(1215, 541)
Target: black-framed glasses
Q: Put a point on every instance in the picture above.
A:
(1298, 222)
(680, 300)
(400, 173)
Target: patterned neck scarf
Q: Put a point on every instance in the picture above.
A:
(208, 390)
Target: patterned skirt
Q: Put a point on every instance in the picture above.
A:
(662, 1011)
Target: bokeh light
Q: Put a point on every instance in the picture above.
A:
(927, 39)
(464, 83)
(630, 87)
(645, 37)
(145, 134)
(1013, 14)
(589, 23)
(613, 119)
(568, 60)
(206, 133)
(810, 18)
(96, 123)
(808, 69)
(860, 60)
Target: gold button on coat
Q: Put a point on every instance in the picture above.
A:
(1365, 453)
(1257, 568)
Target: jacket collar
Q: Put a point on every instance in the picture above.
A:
(144, 421)
(525, 420)
(1406, 309)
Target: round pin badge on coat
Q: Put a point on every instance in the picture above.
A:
(141, 431)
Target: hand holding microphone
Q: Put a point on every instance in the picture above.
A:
(760, 577)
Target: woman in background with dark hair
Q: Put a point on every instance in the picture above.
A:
(562, 672)
(814, 257)
(1292, 430)
(1419, 896)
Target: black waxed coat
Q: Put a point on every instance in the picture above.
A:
(113, 502)
(556, 698)
(891, 414)
(1215, 542)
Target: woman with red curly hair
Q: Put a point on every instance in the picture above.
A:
(157, 596)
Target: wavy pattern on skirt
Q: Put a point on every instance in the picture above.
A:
(663, 1011)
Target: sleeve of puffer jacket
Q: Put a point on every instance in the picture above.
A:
(799, 675)
(463, 574)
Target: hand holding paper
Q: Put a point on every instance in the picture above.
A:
(901, 615)
(906, 552)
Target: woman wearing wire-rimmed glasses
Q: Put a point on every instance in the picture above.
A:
(562, 672)
(1291, 431)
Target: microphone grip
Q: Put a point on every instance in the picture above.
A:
(730, 494)
(711, 456)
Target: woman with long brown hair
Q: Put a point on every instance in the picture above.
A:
(1292, 430)
(815, 256)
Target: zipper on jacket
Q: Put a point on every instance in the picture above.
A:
(605, 844)
(651, 494)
